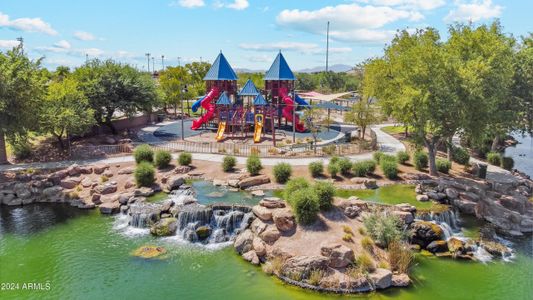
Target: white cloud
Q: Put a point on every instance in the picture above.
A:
(26, 24)
(91, 51)
(238, 4)
(410, 4)
(259, 58)
(305, 48)
(63, 44)
(349, 22)
(8, 44)
(188, 3)
(84, 36)
(473, 11)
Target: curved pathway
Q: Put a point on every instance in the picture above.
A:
(386, 142)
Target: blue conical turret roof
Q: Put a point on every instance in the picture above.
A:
(220, 70)
(279, 70)
(223, 100)
(249, 89)
(260, 100)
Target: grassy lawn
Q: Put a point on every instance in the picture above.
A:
(157, 197)
(394, 129)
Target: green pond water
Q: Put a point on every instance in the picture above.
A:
(82, 255)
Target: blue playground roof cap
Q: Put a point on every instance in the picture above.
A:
(220, 70)
(279, 70)
(260, 100)
(223, 99)
(249, 89)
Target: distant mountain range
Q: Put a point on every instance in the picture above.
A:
(335, 68)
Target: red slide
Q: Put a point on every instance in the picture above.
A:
(287, 110)
(208, 106)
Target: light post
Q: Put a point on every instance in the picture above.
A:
(184, 91)
(293, 117)
(148, 59)
(163, 62)
(179, 62)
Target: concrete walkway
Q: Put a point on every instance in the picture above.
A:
(386, 142)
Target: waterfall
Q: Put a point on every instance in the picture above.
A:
(143, 215)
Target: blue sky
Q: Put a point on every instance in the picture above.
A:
(249, 32)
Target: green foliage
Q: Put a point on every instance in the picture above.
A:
(384, 228)
(345, 165)
(389, 167)
(325, 192)
(365, 263)
(253, 165)
(20, 145)
(494, 158)
(162, 159)
(293, 185)
(507, 163)
(185, 159)
(316, 168)
(460, 155)
(367, 243)
(377, 156)
(228, 163)
(402, 157)
(282, 172)
(443, 165)
(363, 114)
(143, 153)
(420, 160)
(400, 257)
(333, 169)
(363, 168)
(144, 174)
(305, 205)
(334, 159)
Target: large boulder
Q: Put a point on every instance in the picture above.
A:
(406, 217)
(382, 278)
(451, 193)
(422, 198)
(124, 171)
(253, 181)
(74, 170)
(272, 202)
(174, 182)
(424, 232)
(455, 245)
(259, 246)
(270, 235)
(164, 227)
(437, 246)
(252, 257)
(304, 265)
(104, 189)
(70, 182)
(258, 226)
(284, 219)
(244, 242)
(52, 193)
(262, 213)
(99, 169)
(110, 207)
(339, 255)
(465, 206)
(401, 280)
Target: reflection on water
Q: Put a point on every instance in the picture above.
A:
(522, 154)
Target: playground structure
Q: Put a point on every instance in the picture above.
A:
(237, 113)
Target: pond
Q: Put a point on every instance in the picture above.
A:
(83, 256)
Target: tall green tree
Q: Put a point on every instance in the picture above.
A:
(522, 87)
(65, 110)
(306, 82)
(197, 71)
(172, 82)
(22, 87)
(114, 88)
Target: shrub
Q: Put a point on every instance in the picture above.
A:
(315, 276)
(377, 156)
(316, 168)
(21, 147)
(347, 229)
(389, 168)
(185, 159)
(494, 158)
(294, 185)
(363, 168)
(365, 263)
(347, 237)
(305, 205)
(324, 192)
(354, 272)
(282, 172)
(143, 153)
(420, 159)
(162, 159)
(277, 264)
(382, 264)
(367, 243)
(333, 169)
(104, 178)
(228, 163)
(144, 174)
(361, 230)
(507, 163)
(443, 165)
(460, 155)
(344, 166)
(253, 165)
(387, 157)
(400, 256)
(334, 159)
(402, 157)
(383, 228)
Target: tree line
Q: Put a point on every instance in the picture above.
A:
(477, 84)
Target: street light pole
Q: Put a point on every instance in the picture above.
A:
(148, 60)
(163, 62)
(153, 64)
(293, 117)
(179, 63)
(183, 114)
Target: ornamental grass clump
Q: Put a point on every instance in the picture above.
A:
(402, 157)
(384, 228)
(443, 165)
(400, 256)
(305, 205)
(185, 159)
(365, 263)
(253, 165)
(460, 155)
(494, 158)
(316, 168)
(144, 174)
(293, 185)
(389, 167)
(143, 153)
(345, 165)
(162, 159)
(228, 163)
(377, 156)
(420, 159)
(282, 172)
(363, 168)
(324, 192)
(333, 169)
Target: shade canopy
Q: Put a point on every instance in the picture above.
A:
(221, 70)
(322, 97)
(223, 99)
(279, 70)
(331, 105)
(249, 89)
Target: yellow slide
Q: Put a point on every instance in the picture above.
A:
(221, 129)
(258, 127)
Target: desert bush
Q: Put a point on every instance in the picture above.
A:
(389, 167)
(460, 155)
(277, 264)
(185, 159)
(334, 159)
(143, 153)
(325, 192)
(402, 157)
(21, 146)
(104, 179)
(420, 159)
(377, 156)
(362, 230)
(383, 264)
(347, 237)
(345, 165)
(305, 205)
(354, 272)
(400, 256)
(333, 169)
(253, 165)
(316, 168)
(282, 172)
(144, 174)
(293, 185)
(315, 276)
(383, 228)
(363, 168)
(443, 165)
(365, 263)
(367, 243)
(162, 159)
(228, 163)
(494, 158)
(347, 229)
(507, 163)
